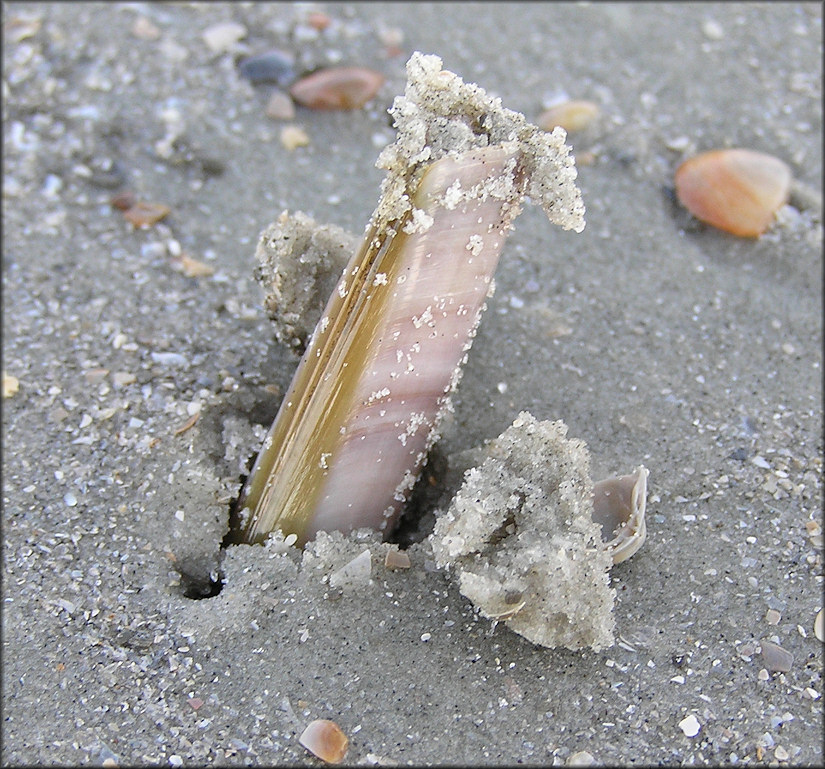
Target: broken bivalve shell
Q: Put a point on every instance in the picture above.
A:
(337, 88)
(325, 739)
(736, 190)
(396, 559)
(776, 658)
(619, 507)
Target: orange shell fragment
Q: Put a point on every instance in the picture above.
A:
(736, 190)
(318, 20)
(325, 739)
(337, 88)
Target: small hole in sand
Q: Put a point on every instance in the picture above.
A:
(197, 587)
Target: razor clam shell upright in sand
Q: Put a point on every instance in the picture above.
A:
(364, 405)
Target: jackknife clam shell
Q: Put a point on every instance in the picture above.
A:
(365, 403)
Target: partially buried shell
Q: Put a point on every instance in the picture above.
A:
(619, 507)
(736, 190)
(367, 399)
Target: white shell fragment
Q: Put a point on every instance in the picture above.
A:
(619, 508)
(690, 726)
(776, 658)
(354, 573)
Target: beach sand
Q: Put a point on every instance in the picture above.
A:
(144, 389)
